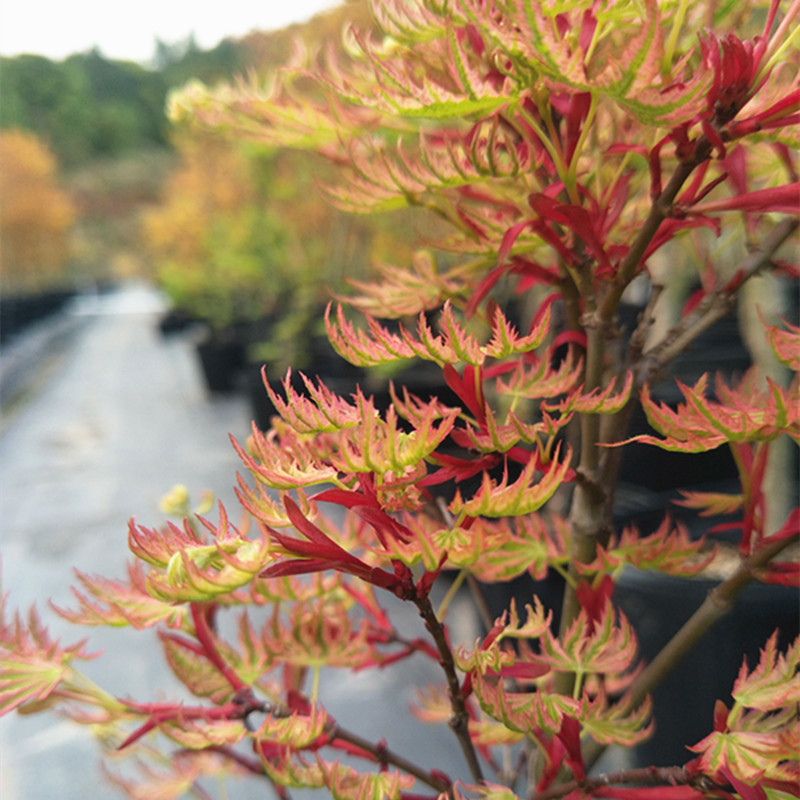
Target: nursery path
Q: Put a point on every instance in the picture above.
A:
(118, 418)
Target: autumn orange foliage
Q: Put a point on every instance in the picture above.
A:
(36, 214)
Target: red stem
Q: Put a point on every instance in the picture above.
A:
(205, 636)
(668, 776)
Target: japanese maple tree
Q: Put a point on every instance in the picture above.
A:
(568, 146)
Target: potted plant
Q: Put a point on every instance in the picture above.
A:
(569, 146)
(220, 250)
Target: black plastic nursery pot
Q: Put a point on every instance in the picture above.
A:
(19, 312)
(176, 321)
(221, 363)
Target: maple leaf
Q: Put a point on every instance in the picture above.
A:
(669, 549)
(403, 292)
(317, 633)
(525, 544)
(523, 496)
(32, 664)
(405, 90)
(381, 446)
(786, 344)
(748, 755)
(495, 437)
(289, 768)
(741, 415)
(118, 603)
(266, 508)
(605, 645)
(541, 380)
(175, 778)
(494, 659)
(318, 411)
(774, 683)
(756, 742)
(453, 345)
(346, 783)
(711, 504)
(283, 460)
(506, 341)
(192, 569)
(198, 734)
(523, 712)
(616, 723)
(600, 401)
(540, 712)
(294, 731)
(190, 664)
(381, 177)
(289, 588)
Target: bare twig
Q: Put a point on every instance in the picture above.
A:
(715, 306)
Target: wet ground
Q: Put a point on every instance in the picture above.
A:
(116, 415)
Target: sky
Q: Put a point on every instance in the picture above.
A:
(128, 31)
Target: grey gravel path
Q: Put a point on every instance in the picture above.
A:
(121, 417)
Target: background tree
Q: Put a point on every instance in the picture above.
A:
(219, 252)
(36, 214)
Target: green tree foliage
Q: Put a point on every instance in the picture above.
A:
(89, 106)
(84, 106)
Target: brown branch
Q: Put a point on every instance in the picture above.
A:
(459, 722)
(659, 211)
(379, 752)
(383, 755)
(713, 307)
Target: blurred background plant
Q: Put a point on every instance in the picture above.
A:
(37, 214)
(237, 236)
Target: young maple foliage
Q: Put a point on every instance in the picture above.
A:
(568, 147)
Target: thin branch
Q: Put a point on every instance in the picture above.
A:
(379, 752)
(715, 306)
(383, 755)
(659, 211)
(460, 719)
